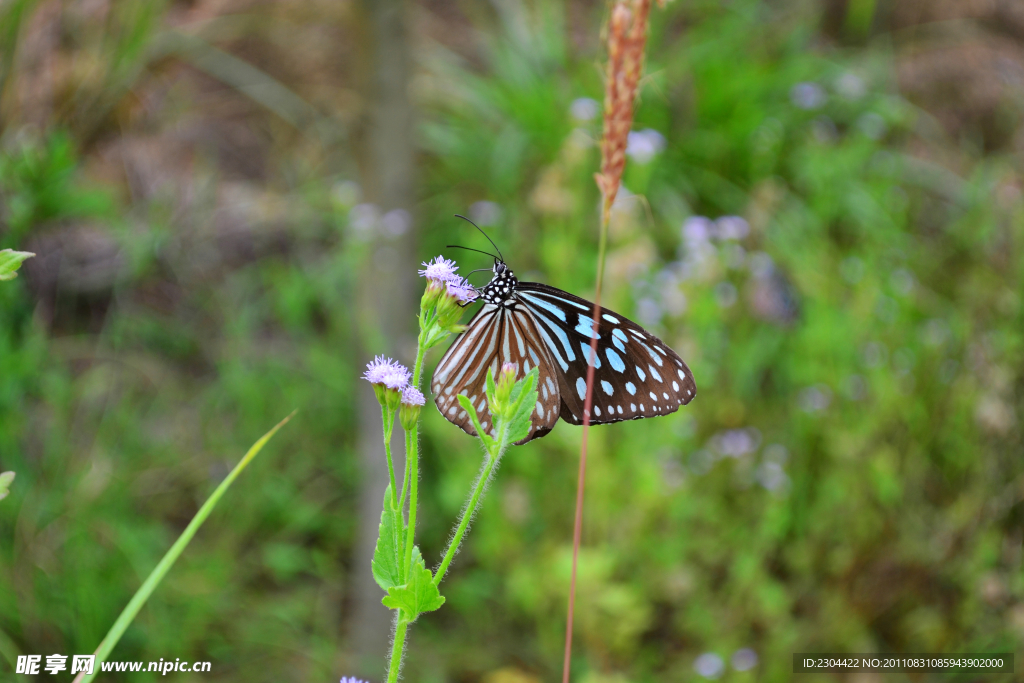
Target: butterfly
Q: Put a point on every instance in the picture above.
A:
(533, 325)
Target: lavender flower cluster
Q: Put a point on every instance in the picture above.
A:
(395, 376)
(441, 272)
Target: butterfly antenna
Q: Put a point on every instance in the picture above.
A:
(482, 233)
(487, 253)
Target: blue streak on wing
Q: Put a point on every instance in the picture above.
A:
(537, 301)
(614, 359)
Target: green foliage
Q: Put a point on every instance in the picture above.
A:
(388, 555)
(846, 479)
(10, 261)
(39, 183)
(157, 575)
(6, 479)
(417, 595)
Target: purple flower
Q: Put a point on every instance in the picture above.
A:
(461, 290)
(346, 679)
(391, 374)
(440, 270)
(411, 396)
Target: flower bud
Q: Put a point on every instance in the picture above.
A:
(438, 272)
(409, 412)
(388, 378)
(501, 397)
(457, 294)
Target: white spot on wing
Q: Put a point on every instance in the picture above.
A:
(611, 318)
(581, 387)
(654, 373)
(607, 387)
(631, 388)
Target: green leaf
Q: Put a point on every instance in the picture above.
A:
(524, 398)
(468, 406)
(5, 483)
(490, 388)
(419, 594)
(387, 557)
(10, 261)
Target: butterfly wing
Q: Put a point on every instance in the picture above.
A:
(636, 375)
(495, 336)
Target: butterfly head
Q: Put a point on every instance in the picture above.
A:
(502, 286)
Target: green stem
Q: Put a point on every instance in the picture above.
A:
(405, 477)
(168, 560)
(412, 463)
(389, 422)
(397, 649)
(467, 513)
(418, 367)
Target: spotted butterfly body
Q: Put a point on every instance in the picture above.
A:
(533, 325)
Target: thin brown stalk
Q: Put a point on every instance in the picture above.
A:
(627, 36)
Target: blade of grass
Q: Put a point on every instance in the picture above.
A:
(158, 573)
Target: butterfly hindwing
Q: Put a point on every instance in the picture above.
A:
(636, 375)
(496, 335)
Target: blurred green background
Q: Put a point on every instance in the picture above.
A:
(228, 200)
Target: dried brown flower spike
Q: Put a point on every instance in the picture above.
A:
(627, 36)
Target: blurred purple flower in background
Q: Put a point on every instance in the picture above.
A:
(709, 665)
(731, 228)
(851, 86)
(363, 218)
(396, 222)
(584, 109)
(744, 659)
(734, 443)
(770, 295)
(815, 399)
(772, 477)
(644, 145)
(808, 95)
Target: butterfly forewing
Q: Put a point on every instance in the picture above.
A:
(496, 335)
(635, 374)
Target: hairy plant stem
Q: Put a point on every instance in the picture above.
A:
(411, 483)
(389, 424)
(397, 649)
(467, 513)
